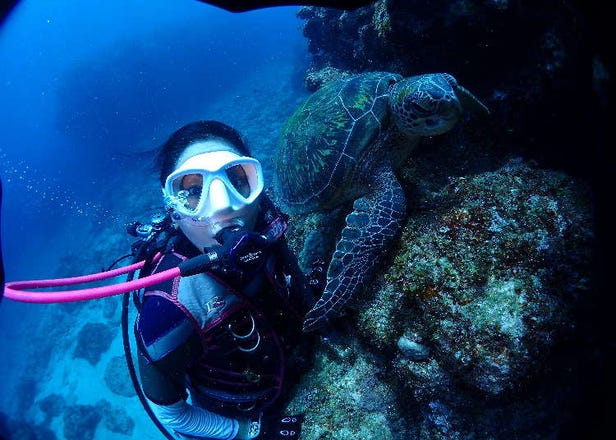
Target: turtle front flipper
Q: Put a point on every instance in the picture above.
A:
(375, 220)
(469, 101)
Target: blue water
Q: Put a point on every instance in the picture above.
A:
(87, 90)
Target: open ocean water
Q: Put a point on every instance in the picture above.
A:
(87, 90)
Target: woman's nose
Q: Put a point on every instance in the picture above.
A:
(218, 196)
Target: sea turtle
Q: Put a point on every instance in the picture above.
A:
(343, 144)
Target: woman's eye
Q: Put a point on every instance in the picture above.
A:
(239, 180)
(194, 191)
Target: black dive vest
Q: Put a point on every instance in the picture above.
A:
(245, 338)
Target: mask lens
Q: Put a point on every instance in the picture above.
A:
(189, 191)
(237, 177)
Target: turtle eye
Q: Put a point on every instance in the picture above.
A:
(417, 108)
(421, 103)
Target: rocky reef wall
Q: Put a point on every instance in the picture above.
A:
(488, 320)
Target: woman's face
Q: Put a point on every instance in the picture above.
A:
(217, 191)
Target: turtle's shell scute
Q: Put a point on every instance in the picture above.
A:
(328, 136)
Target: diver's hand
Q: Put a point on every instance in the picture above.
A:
(249, 429)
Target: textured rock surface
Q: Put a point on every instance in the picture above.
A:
(349, 396)
(94, 339)
(117, 377)
(473, 325)
(81, 421)
(52, 405)
(116, 419)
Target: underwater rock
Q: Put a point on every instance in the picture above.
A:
(116, 419)
(345, 396)
(52, 405)
(491, 272)
(413, 350)
(93, 340)
(494, 271)
(81, 421)
(117, 378)
(316, 78)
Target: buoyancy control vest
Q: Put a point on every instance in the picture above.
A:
(246, 326)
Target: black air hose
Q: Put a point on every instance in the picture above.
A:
(131, 365)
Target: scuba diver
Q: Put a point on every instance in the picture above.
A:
(217, 349)
(220, 296)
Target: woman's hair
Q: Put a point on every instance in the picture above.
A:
(170, 151)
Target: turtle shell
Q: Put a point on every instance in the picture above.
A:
(327, 145)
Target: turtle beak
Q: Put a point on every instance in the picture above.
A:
(433, 116)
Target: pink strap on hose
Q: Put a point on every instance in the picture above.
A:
(16, 290)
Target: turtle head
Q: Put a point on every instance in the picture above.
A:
(428, 105)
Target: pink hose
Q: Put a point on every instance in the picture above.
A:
(16, 290)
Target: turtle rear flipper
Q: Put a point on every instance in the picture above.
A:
(375, 220)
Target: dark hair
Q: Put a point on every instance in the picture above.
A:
(170, 151)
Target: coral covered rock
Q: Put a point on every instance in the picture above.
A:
(483, 296)
(317, 78)
(472, 328)
(347, 397)
(81, 421)
(492, 273)
(116, 419)
(52, 405)
(117, 378)
(94, 339)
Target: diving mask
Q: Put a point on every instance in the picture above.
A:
(211, 182)
(211, 191)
